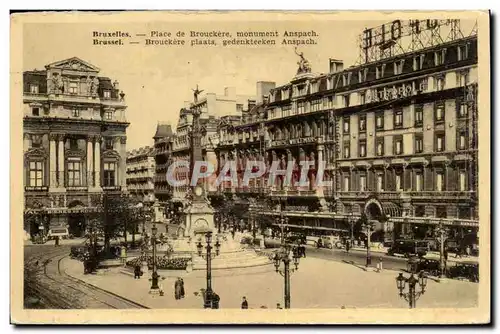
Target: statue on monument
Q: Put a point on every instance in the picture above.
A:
(196, 92)
(304, 66)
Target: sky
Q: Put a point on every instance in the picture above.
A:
(158, 79)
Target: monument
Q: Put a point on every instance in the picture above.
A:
(199, 213)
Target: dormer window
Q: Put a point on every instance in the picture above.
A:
(107, 94)
(439, 57)
(73, 88)
(463, 52)
(418, 62)
(33, 89)
(379, 71)
(398, 67)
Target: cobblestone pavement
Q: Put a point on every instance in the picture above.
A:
(318, 283)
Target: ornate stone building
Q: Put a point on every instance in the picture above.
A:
(140, 174)
(74, 144)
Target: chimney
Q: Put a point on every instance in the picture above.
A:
(336, 65)
(263, 89)
(116, 85)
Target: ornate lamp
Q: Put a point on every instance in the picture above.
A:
(199, 246)
(217, 247)
(400, 281)
(154, 230)
(208, 237)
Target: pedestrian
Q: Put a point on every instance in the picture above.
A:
(347, 246)
(233, 232)
(56, 242)
(177, 289)
(244, 304)
(379, 265)
(467, 250)
(278, 306)
(183, 293)
(137, 271)
(303, 248)
(215, 300)
(445, 255)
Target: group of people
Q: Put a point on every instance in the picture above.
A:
(179, 291)
(244, 305)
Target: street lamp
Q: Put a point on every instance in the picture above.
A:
(442, 232)
(368, 226)
(208, 256)
(282, 220)
(154, 277)
(252, 217)
(412, 295)
(351, 224)
(286, 254)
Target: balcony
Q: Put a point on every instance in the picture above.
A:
(441, 195)
(36, 188)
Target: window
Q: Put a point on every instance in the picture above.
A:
(439, 181)
(106, 94)
(346, 125)
(440, 144)
(108, 115)
(74, 179)
(398, 145)
(108, 143)
(439, 113)
(362, 182)
(419, 116)
(316, 105)
(346, 100)
(463, 213)
(75, 112)
(362, 123)
(463, 110)
(328, 102)
(439, 57)
(286, 110)
(346, 183)
(379, 121)
(419, 143)
(440, 82)
(73, 88)
(418, 62)
(33, 89)
(398, 67)
(380, 146)
(35, 111)
(109, 174)
(418, 181)
(301, 107)
(462, 140)
(380, 182)
(73, 144)
(347, 150)
(462, 181)
(463, 52)
(36, 174)
(379, 71)
(462, 78)
(362, 148)
(398, 118)
(398, 181)
(362, 98)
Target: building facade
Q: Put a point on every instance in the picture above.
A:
(140, 174)
(394, 138)
(163, 154)
(74, 131)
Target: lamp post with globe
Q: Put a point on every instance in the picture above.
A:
(208, 256)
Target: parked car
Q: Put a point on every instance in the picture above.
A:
(409, 247)
(430, 266)
(77, 252)
(60, 232)
(296, 239)
(469, 271)
(452, 246)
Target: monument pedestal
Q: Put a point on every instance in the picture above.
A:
(199, 215)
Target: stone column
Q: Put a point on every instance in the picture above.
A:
(123, 163)
(97, 163)
(90, 163)
(52, 161)
(320, 189)
(60, 161)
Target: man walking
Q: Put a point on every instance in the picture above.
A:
(244, 304)
(137, 271)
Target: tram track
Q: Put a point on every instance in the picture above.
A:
(58, 290)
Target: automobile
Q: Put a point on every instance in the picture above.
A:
(60, 232)
(469, 271)
(430, 266)
(452, 246)
(409, 247)
(77, 252)
(296, 239)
